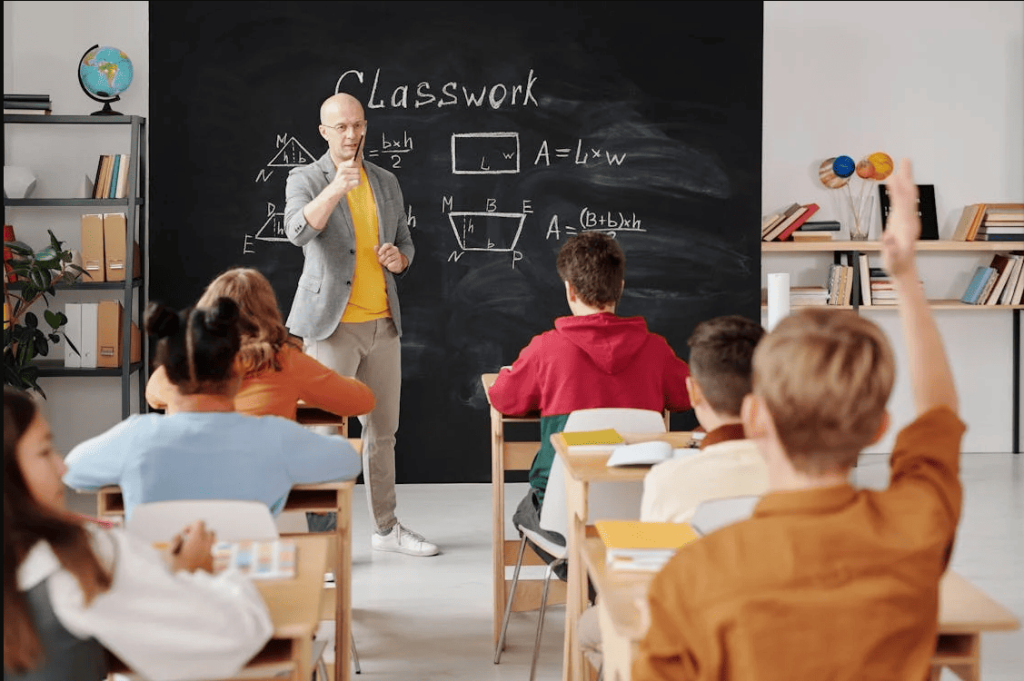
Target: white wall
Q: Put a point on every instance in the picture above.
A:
(940, 82)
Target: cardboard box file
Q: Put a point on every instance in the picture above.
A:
(90, 317)
(73, 335)
(92, 248)
(108, 336)
(114, 242)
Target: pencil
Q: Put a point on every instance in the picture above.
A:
(359, 147)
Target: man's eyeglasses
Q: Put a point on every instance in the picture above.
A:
(344, 127)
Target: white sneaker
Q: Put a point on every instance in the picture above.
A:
(402, 540)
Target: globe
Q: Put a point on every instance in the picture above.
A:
(104, 74)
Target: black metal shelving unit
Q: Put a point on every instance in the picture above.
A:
(133, 290)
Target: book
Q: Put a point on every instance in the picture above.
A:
(1019, 236)
(801, 237)
(1002, 264)
(977, 283)
(266, 559)
(987, 289)
(865, 279)
(114, 170)
(90, 334)
(97, 176)
(26, 98)
(926, 210)
(784, 223)
(798, 219)
(73, 335)
(1018, 289)
(1007, 297)
(31, 112)
(20, 106)
(1001, 228)
(122, 180)
(641, 453)
(645, 546)
(964, 224)
(777, 219)
(102, 178)
(808, 295)
(820, 226)
(592, 440)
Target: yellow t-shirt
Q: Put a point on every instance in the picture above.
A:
(369, 297)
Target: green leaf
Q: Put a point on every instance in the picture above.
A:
(54, 338)
(18, 247)
(31, 320)
(71, 345)
(52, 318)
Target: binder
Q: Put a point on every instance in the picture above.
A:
(114, 241)
(108, 336)
(93, 261)
(73, 335)
(90, 321)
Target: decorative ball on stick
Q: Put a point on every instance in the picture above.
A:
(865, 170)
(882, 164)
(843, 166)
(828, 175)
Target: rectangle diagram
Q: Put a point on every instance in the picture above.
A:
(483, 231)
(485, 153)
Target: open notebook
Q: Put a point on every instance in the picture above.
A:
(647, 453)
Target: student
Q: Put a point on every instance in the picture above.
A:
(206, 450)
(728, 465)
(826, 581)
(72, 590)
(591, 359)
(276, 372)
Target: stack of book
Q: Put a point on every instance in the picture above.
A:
(991, 222)
(808, 295)
(840, 284)
(999, 283)
(27, 104)
(111, 177)
(823, 230)
(781, 225)
(881, 288)
(636, 545)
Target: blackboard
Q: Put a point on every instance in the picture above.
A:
(532, 121)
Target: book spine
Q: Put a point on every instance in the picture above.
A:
(8, 104)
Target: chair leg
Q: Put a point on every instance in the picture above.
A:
(540, 620)
(508, 604)
(355, 655)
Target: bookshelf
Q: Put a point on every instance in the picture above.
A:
(853, 249)
(132, 290)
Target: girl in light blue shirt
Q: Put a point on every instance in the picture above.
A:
(206, 450)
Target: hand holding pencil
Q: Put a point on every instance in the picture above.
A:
(192, 548)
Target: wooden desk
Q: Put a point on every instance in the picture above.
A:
(965, 612)
(511, 456)
(580, 471)
(318, 497)
(294, 606)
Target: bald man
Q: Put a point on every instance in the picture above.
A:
(348, 215)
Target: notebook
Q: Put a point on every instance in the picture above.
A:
(269, 559)
(592, 440)
(644, 546)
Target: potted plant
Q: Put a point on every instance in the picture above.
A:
(36, 275)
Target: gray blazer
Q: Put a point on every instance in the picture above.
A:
(330, 261)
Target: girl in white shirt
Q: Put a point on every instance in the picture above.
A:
(71, 590)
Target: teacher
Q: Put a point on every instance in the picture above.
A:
(348, 215)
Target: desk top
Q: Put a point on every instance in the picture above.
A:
(593, 466)
(963, 607)
(294, 604)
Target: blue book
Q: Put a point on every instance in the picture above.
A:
(981, 276)
(1001, 237)
(113, 176)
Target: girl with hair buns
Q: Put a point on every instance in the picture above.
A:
(276, 373)
(205, 449)
(72, 589)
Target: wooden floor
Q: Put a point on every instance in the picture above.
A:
(430, 618)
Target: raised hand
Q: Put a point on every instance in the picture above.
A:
(902, 229)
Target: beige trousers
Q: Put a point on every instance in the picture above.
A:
(372, 353)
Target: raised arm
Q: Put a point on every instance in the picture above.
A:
(324, 388)
(931, 379)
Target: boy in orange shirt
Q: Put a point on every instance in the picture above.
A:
(826, 581)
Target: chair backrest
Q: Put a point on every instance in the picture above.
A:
(617, 500)
(717, 513)
(622, 419)
(231, 520)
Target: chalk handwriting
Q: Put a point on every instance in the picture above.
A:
(582, 156)
(452, 93)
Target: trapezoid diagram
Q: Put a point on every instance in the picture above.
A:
(483, 231)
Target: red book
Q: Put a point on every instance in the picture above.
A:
(812, 208)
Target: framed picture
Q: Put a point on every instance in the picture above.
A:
(925, 209)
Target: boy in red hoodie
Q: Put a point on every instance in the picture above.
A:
(592, 359)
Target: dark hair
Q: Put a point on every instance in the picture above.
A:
(721, 360)
(594, 264)
(197, 346)
(26, 522)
